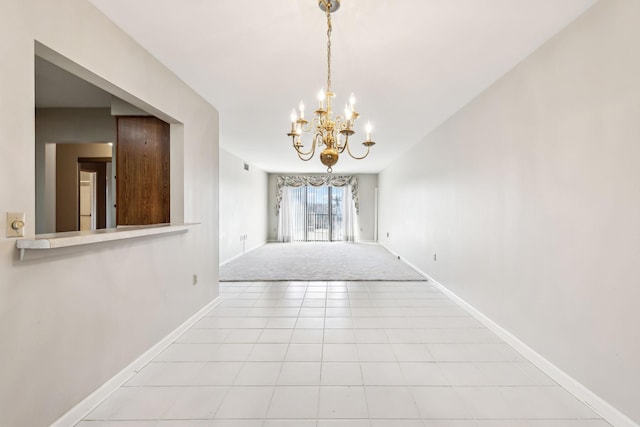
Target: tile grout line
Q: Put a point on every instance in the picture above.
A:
(376, 304)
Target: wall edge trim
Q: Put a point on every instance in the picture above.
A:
(89, 403)
(245, 252)
(603, 408)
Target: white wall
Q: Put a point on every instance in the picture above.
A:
(367, 184)
(71, 320)
(243, 207)
(530, 198)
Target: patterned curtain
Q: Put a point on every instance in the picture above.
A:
(317, 181)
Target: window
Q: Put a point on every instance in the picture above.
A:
(317, 208)
(317, 213)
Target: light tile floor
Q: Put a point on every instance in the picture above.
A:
(334, 354)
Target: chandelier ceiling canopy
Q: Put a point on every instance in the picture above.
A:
(328, 132)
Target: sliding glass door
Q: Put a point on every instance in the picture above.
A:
(317, 213)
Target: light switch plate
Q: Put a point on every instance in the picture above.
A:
(15, 224)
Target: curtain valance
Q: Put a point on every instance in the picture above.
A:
(316, 181)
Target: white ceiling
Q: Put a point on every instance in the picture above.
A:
(411, 63)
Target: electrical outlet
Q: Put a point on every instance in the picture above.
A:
(434, 256)
(15, 224)
(195, 279)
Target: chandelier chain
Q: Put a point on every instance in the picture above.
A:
(329, 28)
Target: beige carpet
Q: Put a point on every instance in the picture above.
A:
(318, 262)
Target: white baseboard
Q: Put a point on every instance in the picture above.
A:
(582, 393)
(422, 273)
(573, 386)
(88, 404)
(244, 253)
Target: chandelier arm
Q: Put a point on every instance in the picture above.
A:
(302, 153)
(356, 157)
(311, 152)
(342, 121)
(311, 125)
(321, 138)
(307, 159)
(344, 146)
(308, 153)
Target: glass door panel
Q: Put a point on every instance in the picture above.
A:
(317, 213)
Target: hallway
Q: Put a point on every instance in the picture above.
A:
(322, 354)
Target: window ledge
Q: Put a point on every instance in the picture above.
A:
(77, 238)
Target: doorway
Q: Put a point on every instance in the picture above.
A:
(87, 209)
(92, 193)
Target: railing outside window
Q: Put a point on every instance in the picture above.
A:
(317, 214)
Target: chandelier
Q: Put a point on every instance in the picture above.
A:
(332, 134)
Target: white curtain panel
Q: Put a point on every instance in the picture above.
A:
(349, 216)
(285, 219)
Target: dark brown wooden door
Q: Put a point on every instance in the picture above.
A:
(142, 171)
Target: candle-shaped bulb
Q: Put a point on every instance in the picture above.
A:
(352, 100)
(347, 115)
(368, 128)
(294, 118)
(301, 107)
(321, 96)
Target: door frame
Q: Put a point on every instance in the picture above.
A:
(98, 165)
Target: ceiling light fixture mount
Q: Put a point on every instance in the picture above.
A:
(331, 5)
(332, 133)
